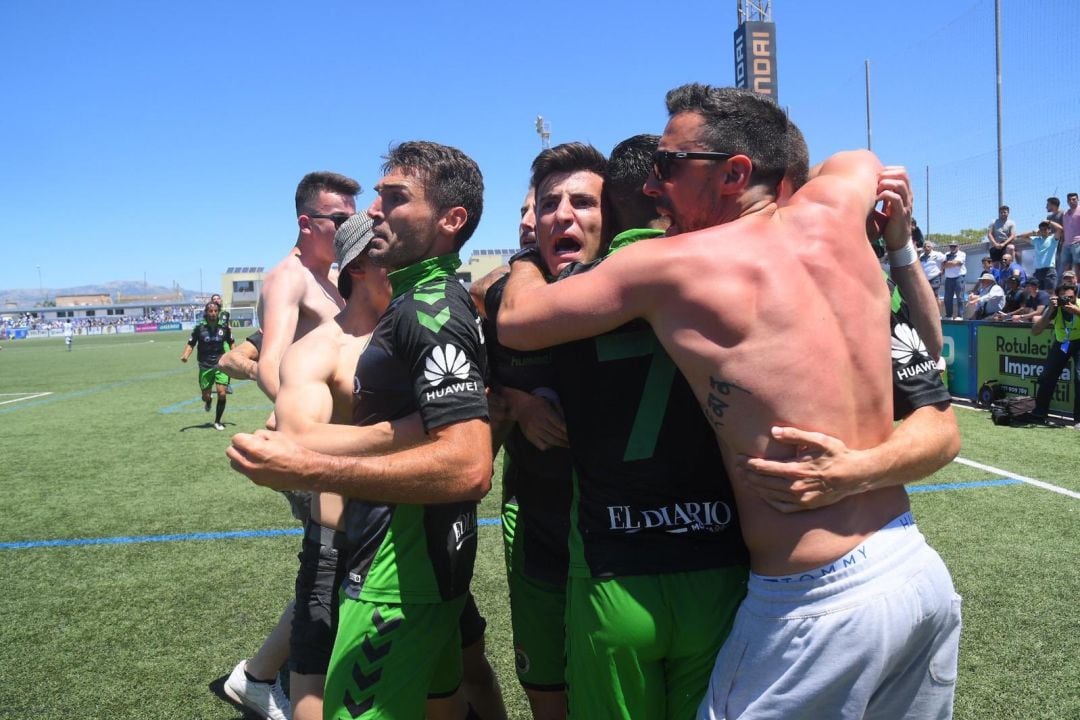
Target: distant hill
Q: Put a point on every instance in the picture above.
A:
(32, 296)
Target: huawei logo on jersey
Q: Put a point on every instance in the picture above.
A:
(906, 344)
(445, 363)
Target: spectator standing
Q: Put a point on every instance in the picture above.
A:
(987, 299)
(1045, 243)
(955, 270)
(1054, 217)
(1000, 233)
(1070, 226)
(932, 262)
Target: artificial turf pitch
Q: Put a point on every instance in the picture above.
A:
(120, 447)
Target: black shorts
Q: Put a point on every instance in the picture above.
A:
(472, 623)
(323, 566)
(996, 253)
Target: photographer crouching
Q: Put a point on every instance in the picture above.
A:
(1061, 314)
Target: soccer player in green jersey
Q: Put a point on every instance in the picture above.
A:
(213, 341)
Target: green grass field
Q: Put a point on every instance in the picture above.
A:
(120, 446)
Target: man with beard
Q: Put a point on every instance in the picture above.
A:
(411, 514)
(716, 173)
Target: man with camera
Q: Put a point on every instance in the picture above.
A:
(1060, 315)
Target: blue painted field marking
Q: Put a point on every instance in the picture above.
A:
(964, 485)
(132, 539)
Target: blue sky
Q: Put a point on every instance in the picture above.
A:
(168, 138)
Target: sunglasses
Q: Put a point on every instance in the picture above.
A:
(662, 160)
(337, 218)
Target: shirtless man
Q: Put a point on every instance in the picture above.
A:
(721, 158)
(411, 514)
(297, 295)
(316, 389)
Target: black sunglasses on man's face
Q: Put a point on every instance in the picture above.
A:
(337, 218)
(662, 160)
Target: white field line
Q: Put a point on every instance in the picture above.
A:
(1021, 478)
(28, 397)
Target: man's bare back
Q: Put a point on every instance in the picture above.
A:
(776, 317)
(796, 343)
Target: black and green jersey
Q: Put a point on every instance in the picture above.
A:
(213, 341)
(426, 354)
(651, 495)
(916, 379)
(537, 481)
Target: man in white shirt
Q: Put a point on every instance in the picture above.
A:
(932, 263)
(954, 269)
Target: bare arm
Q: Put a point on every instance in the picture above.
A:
(305, 410)
(1044, 320)
(535, 314)
(478, 290)
(894, 188)
(455, 466)
(279, 313)
(187, 354)
(539, 420)
(827, 471)
(240, 363)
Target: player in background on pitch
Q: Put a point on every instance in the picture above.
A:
(213, 341)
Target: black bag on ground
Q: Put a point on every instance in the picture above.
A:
(1005, 412)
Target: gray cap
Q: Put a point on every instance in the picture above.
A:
(351, 238)
(984, 276)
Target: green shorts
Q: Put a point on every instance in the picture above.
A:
(388, 658)
(210, 377)
(644, 646)
(538, 619)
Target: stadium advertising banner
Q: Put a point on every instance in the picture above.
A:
(755, 58)
(960, 366)
(162, 327)
(1014, 358)
(146, 327)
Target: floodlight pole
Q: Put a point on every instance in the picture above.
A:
(41, 286)
(869, 131)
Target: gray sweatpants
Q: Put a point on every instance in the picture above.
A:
(874, 634)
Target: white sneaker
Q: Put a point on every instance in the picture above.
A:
(267, 700)
(219, 426)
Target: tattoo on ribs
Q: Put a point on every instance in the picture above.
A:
(718, 389)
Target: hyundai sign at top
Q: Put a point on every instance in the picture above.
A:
(755, 58)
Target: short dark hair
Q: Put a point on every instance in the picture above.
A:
(307, 192)
(1044, 225)
(628, 168)
(450, 177)
(739, 121)
(567, 158)
(798, 164)
(1063, 287)
(1070, 195)
(1056, 202)
(1003, 207)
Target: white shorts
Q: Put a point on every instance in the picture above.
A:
(873, 634)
